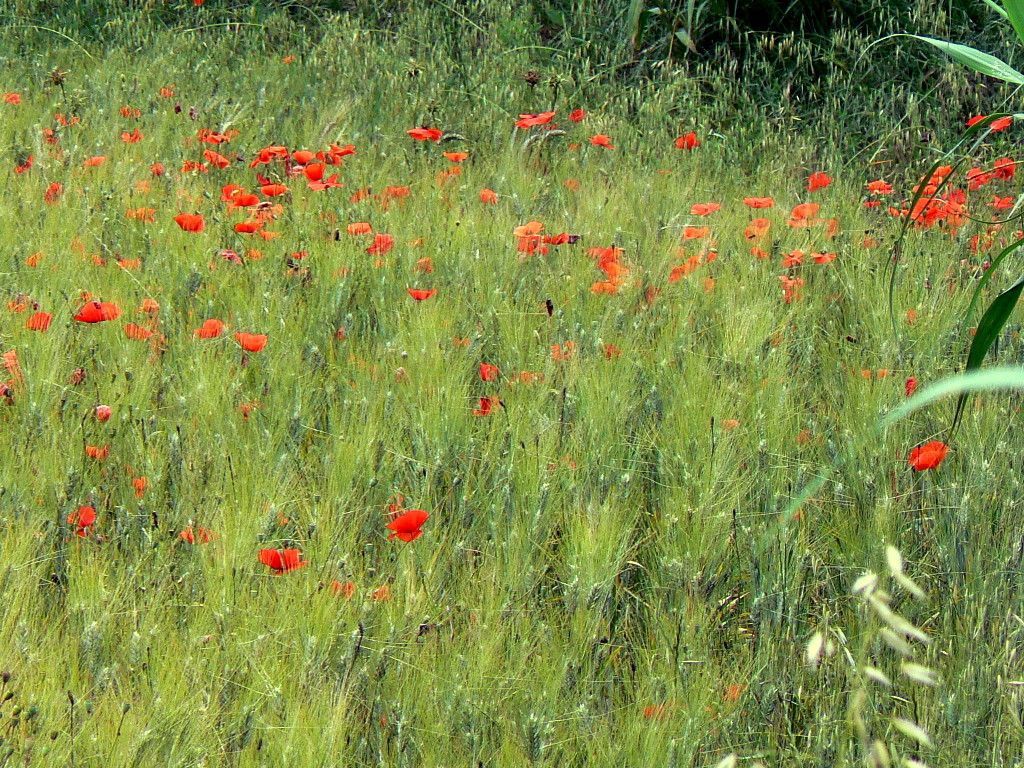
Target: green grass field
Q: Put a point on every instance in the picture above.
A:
(618, 568)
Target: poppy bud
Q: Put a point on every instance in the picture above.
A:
(103, 412)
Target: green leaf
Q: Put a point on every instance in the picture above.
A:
(987, 277)
(554, 16)
(988, 380)
(985, 63)
(985, 336)
(685, 39)
(634, 18)
(992, 323)
(997, 8)
(1015, 13)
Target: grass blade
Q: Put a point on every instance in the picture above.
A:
(997, 8)
(979, 61)
(1014, 11)
(634, 23)
(989, 328)
(988, 380)
(987, 277)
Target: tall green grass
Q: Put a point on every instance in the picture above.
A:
(612, 573)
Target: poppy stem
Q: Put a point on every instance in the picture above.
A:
(71, 701)
(410, 571)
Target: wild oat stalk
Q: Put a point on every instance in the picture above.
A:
(888, 668)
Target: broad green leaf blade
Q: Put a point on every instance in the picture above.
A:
(992, 323)
(634, 24)
(987, 277)
(988, 380)
(985, 336)
(685, 39)
(997, 8)
(979, 61)
(1015, 13)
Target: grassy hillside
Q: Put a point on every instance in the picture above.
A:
(608, 409)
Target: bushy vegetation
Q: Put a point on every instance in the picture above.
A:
(607, 359)
(764, 65)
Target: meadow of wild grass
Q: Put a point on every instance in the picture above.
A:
(265, 298)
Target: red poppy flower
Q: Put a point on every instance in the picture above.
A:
(216, 159)
(1004, 168)
(688, 141)
(488, 197)
(302, 156)
(207, 136)
(273, 190)
(269, 155)
(818, 180)
(201, 534)
(336, 154)
(210, 329)
(758, 202)
(82, 518)
(395, 192)
(879, 187)
(803, 214)
(577, 115)
(928, 456)
(489, 372)
(793, 259)
(137, 332)
(98, 312)
(422, 294)
(408, 526)
(53, 192)
(40, 321)
(487, 405)
(191, 222)
(282, 560)
(910, 386)
(382, 243)
(314, 171)
(757, 229)
(97, 452)
(242, 199)
(456, 157)
(600, 140)
(704, 209)
(426, 134)
(346, 589)
(997, 125)
(528, 121)
(251, 342)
